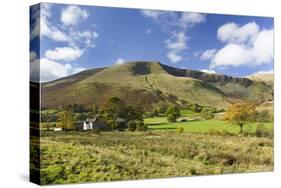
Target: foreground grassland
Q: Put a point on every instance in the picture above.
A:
(72, 157)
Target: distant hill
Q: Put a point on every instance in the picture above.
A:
(147, 84)
(266, 78)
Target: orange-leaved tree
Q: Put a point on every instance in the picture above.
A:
(241, 114)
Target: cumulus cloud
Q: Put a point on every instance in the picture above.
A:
(86, 38)
(66, 32)
(47, 29)
(190, 18)
(262, 72)
(120, 61)
(152, 13)
(246, 45)
(208, 54)
(208, 71)
(51, 70)
(72, 15)
(176, 44)
(64, 53)
(232, 32)
(174, 57)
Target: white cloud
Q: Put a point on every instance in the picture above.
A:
(190, 18)
(232, 32)
(176, 24)
(152, 13)
(32, 56)
(177, 42)
(120, 61)
(174, 57)
(63, 33)
(208, 54)
(262, 72)
(245, 46)
(72, 15)
(208, 71)
(232, 55)
(171, 19)
(46, 28)
(51, 70)
(176, 45)
(64, 53)
(86, 38)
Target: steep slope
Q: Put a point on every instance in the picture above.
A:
(149, 83)
(268, 79)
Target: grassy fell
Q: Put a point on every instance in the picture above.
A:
(84, 157)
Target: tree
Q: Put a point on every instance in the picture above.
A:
(264, 116)
(173, 113)
(132, 125)
(207, 113)
(116, 109)
(95, 109)
(195, 108)
(241, 114)
(140, 126)
(65, 119)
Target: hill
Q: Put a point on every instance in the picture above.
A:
(147, 84)
(268, 79)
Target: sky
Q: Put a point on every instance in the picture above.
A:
(75, 38)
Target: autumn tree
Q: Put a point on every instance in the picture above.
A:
(241, 114)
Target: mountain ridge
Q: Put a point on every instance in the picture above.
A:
(147, 84)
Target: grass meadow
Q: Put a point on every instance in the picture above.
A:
(73, 157)
(202, 147)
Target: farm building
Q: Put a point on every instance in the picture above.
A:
(91, 124)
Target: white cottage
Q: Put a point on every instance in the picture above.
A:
(91, 124)
(88, 124)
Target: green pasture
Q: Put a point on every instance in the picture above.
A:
(200, 125)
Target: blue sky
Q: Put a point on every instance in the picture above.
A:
(74, 38)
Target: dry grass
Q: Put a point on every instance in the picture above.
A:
(85, 157)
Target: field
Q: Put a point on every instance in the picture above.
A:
(202, 147)
(201, 126)
(72, 157)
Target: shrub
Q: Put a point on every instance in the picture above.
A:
(173, 113)
(140, 126)
(180, 129)
(132, 126)
(207, 113)
(96, 131)
(196, 108)
(263, 116)
(263, 131)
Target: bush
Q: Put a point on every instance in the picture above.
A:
(180, 129)
(263, 131)
(263, 116)
(173, 113)
(140, 126)
(207, 113)
(196, 108)
(96, 131)
(132, 126)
